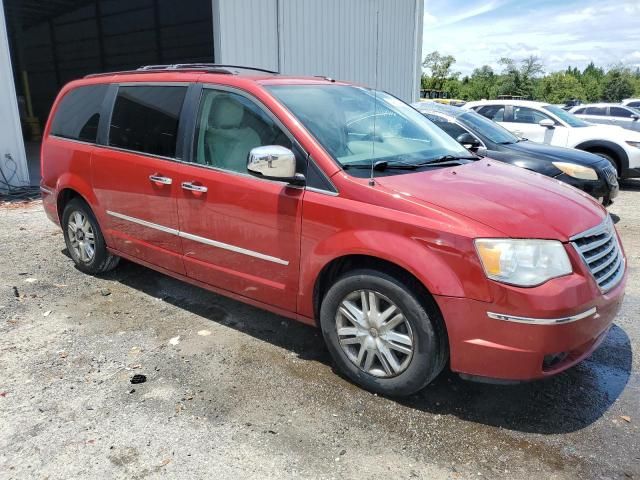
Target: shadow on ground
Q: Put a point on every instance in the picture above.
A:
(565, 403)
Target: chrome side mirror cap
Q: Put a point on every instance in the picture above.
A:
(547, 123)
(274, 162)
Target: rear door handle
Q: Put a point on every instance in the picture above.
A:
(160, 179)
(194, 188)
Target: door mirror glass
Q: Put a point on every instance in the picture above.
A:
(274, 162)
(547, 123)
(635, 116)
(468, 141)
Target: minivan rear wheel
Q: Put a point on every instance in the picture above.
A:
(84, 239)
(380, 335)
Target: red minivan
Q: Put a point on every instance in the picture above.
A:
(338, 206)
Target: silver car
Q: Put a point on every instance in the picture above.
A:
(609, 114)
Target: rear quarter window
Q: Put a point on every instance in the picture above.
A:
(78, 114)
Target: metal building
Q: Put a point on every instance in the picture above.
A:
(43, 45)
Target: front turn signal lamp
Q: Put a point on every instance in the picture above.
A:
(576, 171)
(525, 263)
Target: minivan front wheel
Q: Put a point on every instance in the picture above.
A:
(84, 239)
(380, 335)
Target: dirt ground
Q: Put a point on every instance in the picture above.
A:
(234, 392)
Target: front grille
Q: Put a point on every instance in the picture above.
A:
(611, 175)
(601, 252)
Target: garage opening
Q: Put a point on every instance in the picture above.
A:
(56, 41)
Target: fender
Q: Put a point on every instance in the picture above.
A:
(623, 158)
(81, 186)
(442, 264)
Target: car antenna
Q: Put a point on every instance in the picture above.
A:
(375, 105)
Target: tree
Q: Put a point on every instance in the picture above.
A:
(520, 79)
(559, 87)
(440, 68)
(617, 86)
(481, 84)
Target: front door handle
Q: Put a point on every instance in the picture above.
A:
(155, 178)
(194, 188)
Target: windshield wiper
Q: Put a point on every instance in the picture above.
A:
(448, 159)
(382, 165)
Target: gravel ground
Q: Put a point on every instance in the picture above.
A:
(235, 392)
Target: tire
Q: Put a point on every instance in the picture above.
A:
(610, 159)
(82, 235)
(421, 325)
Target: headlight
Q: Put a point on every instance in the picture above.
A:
(576, 171)
(525, 263)
(634, 144)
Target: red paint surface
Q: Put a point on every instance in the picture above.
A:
(424, 222)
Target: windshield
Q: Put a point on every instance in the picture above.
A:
(357, 125)
(487, 128)
(566, 117)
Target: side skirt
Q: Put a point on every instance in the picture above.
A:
(220, 291)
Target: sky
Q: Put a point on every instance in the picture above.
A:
(561, 32)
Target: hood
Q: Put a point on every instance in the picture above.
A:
(512, 200)
(550, 153)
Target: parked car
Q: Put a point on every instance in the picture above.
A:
(337, 206)
(586, 171)
(545, 123)
(631, 102)
(609, 114)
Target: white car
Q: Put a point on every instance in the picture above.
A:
(546, 123)
(631, 102)
(609, 114)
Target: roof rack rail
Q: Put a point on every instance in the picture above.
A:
(198, 66)
(186, 67)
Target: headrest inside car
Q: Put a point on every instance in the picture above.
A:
(225, 112)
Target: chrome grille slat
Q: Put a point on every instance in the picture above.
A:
(598, 256)
(606, 262)
(612, 271)
(592, 246)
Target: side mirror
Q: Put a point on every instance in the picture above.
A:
(635, 116)
(274, 162)
(468, 141)
(547, 123)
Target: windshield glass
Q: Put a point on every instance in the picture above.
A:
(566, 117)
(356, 125)
(487, 128)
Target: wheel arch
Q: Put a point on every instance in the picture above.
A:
(70, 186)
(341, 265)
(604, 146)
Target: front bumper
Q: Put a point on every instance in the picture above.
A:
(604, 189)
(481, 346)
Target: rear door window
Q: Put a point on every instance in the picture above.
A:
(78, 115)
(492, 112)
(602, 111)
(145, 119)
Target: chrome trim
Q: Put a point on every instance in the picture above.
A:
(46, 190)
(144, 223)
(160, 179)
(542, 321)
(613, 254)
(196, 238)
(324, 192)
(72, 140)
(194, 188)
(232, 248)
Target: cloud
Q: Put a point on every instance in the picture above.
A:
(571, 33)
